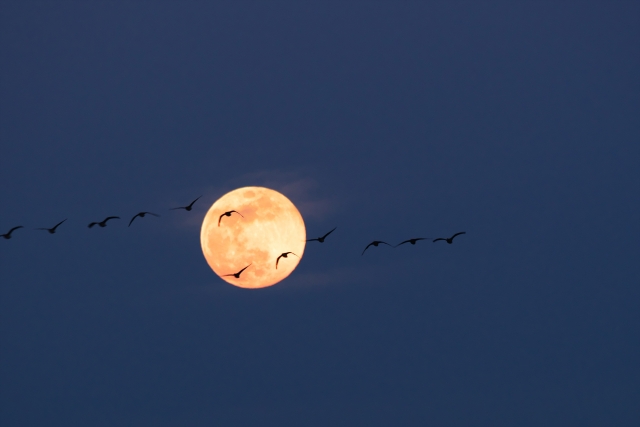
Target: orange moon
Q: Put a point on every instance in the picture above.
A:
(266, 225)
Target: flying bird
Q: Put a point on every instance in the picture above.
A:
(284, 255)
(374, 243)
(228, 213)
(141, 215)
(237, 275)
(103, 223)
(52, 229)
(186, 208)
(321, 239)
(413, 241)
(8, 235)
(450, 239)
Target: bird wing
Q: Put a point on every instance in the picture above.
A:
(191, 204)
(277, 260)
(134, 217)
(14, 229)
(220, 219)
(439, 238)
(406, 241)
(151, 213)
(385, 243)
(110, 217)
(92, 224)
(457, 234)
(366, 248)
(175, 209)
(240, 272)
(238, 213)
(311, 240)
(324, 237)
(56, 226)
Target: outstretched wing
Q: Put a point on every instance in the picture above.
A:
(14, 229)
(220, 219)
(110, 217)
(56, 226)
(366, 248)
(311, 240)
(134, 217)
(92, 224)
(191, 204)
(457, 234)
(238, 213)
(152, 214)
(439, 238)
(278, 260)
(325, 236)
(406, 241)
(240, 272)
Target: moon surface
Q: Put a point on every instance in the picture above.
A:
(270, 225)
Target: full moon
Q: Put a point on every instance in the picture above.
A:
(265, 225)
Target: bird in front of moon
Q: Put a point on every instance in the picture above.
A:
(449, 240)
(283, 255)
(227, 214)
(236, 275)
(52, 230)
(269, 223)
(375, 243)
(8, 234)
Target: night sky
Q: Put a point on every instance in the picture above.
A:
(517, 122)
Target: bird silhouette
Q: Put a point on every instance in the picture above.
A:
(141, 215)
(284, 255)
(413, 241)
(237, 275)
(228, 213)
(375, 243)
(449, 240)
(186, 208)
(8, 235)
(321, 239)
(103, 223)
(52, 230)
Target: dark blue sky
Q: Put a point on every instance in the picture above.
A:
(514, 121)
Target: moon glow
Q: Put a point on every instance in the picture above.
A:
(271, 225)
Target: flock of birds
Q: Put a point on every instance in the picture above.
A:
(103, 223)
(189, 207)
(375, 243)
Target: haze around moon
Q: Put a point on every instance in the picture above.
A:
(271, 225)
